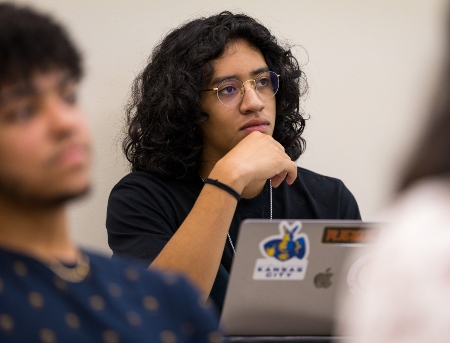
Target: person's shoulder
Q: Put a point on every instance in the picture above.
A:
(138, 177)
(142, 178)
(106, 263)
(160, 289)
(313, 178)
(137, 184)
(335, 199)
(130, 269)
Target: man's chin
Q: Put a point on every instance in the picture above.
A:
(64, 198)
(37, 200)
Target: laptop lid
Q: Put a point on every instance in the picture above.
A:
(285, 275)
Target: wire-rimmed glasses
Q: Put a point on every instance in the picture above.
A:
(231, 91)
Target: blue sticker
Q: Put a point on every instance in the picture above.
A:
(285, 255)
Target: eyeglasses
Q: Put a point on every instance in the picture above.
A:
(231, 91)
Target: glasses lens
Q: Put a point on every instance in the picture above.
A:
(230, 92)
(267, 84)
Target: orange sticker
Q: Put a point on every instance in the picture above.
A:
(350, 235)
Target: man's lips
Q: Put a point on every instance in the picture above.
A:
(260, 125)
(72, 155)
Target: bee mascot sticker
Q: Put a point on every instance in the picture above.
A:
(285, 254)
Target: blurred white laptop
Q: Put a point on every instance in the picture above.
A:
(285, 275)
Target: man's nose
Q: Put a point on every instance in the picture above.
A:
(60, 116)
(251, 101)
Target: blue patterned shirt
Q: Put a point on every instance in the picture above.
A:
(117, 302)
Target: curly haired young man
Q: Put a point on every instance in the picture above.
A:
(214, 129)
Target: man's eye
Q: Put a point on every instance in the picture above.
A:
(70, 98)
(262, 82)
(22, 113)
(227, 90)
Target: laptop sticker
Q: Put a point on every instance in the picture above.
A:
(323, 280)
(285, 255)
(358, 274)
(349, 235)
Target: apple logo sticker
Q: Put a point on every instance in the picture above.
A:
(323, 280)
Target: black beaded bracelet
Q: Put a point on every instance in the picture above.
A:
(224, 187)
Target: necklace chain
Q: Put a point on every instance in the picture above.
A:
(271, 212)
(71, 274)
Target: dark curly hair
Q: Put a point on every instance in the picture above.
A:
(163, 114)
(30, 42)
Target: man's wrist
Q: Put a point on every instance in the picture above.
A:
(228, 176)
(223, 186)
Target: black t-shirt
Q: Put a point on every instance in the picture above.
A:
(144, 212)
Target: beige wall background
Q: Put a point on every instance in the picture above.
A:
(371, 67)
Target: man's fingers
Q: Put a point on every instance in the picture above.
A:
(277, 180)
(289, 174)
(291, 177)
(259, 157)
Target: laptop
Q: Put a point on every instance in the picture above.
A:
(286, 275)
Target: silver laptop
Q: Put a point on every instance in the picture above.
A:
(285, 275)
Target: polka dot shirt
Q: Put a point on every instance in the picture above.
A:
(117, 302)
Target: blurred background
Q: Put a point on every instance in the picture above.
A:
(371, 68)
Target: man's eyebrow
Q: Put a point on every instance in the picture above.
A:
(259, 71)
(17, 92)
(26, 89)
(219, 79)
(255, 72)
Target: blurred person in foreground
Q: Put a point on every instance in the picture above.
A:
(407, 298)
(51, 290)
(214, 128)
